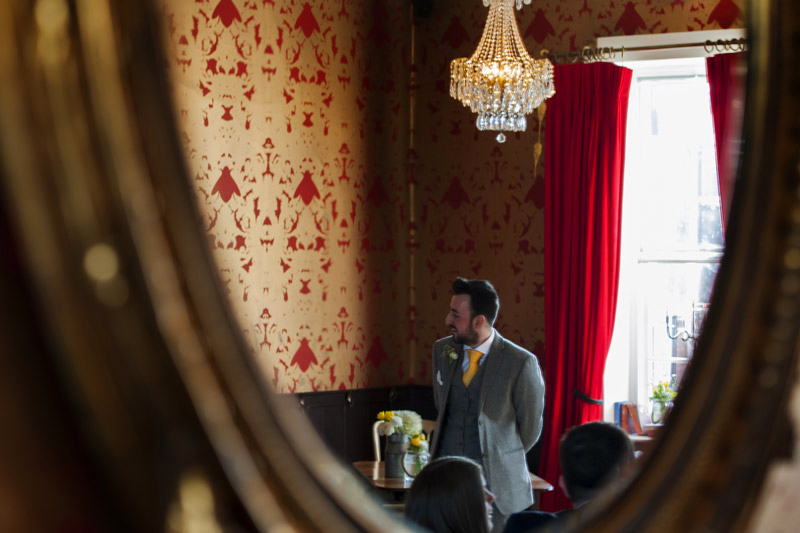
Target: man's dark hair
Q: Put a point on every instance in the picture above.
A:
(482, 297)
(591, 456)
(447, 496)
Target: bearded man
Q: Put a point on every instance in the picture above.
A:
(489, 393)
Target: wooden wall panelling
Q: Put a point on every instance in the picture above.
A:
(344, 418)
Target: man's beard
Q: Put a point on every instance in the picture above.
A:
(468, 337)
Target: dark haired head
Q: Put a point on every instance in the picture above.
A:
(482, 296)
(592, 456)
(448, 496)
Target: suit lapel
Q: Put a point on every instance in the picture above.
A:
(448, 378)
(492, 364)
(447, 374)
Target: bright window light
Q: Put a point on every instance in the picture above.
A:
(672, 238)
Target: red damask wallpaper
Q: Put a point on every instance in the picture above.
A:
(295, 118)
(337, 226)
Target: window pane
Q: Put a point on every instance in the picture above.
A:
(673, 301)
(680, 207)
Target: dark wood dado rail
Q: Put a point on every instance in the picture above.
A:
(344, 418)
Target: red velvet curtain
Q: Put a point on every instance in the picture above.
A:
(584, 160)
(726, 80)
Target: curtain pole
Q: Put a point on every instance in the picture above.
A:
(590, 54)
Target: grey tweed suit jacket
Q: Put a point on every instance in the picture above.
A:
(510, 420)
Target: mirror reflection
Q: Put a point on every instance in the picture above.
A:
(343, 190)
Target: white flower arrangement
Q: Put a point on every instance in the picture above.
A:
(406, 422)
(412, 423)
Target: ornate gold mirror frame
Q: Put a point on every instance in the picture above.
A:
(149, 391)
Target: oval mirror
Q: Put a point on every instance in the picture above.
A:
(136, 362)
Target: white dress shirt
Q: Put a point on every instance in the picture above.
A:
(483, 348)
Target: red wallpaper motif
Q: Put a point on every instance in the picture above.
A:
(295, 117)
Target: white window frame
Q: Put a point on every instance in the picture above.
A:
(626, 373)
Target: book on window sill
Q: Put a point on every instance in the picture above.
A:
(626, 416)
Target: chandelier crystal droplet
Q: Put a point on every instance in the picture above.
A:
(501, 82)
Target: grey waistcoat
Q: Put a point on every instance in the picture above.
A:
(460, 433)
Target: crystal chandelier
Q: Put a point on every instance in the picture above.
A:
(501, 82)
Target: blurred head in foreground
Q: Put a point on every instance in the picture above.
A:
(450, 495)
(592, 456)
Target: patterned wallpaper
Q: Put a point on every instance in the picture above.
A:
(295, 118)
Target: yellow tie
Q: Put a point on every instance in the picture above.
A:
(472, 369)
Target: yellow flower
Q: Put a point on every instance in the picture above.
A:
(422, 437)
(382, 416)
(415, 441)
(389, 415)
